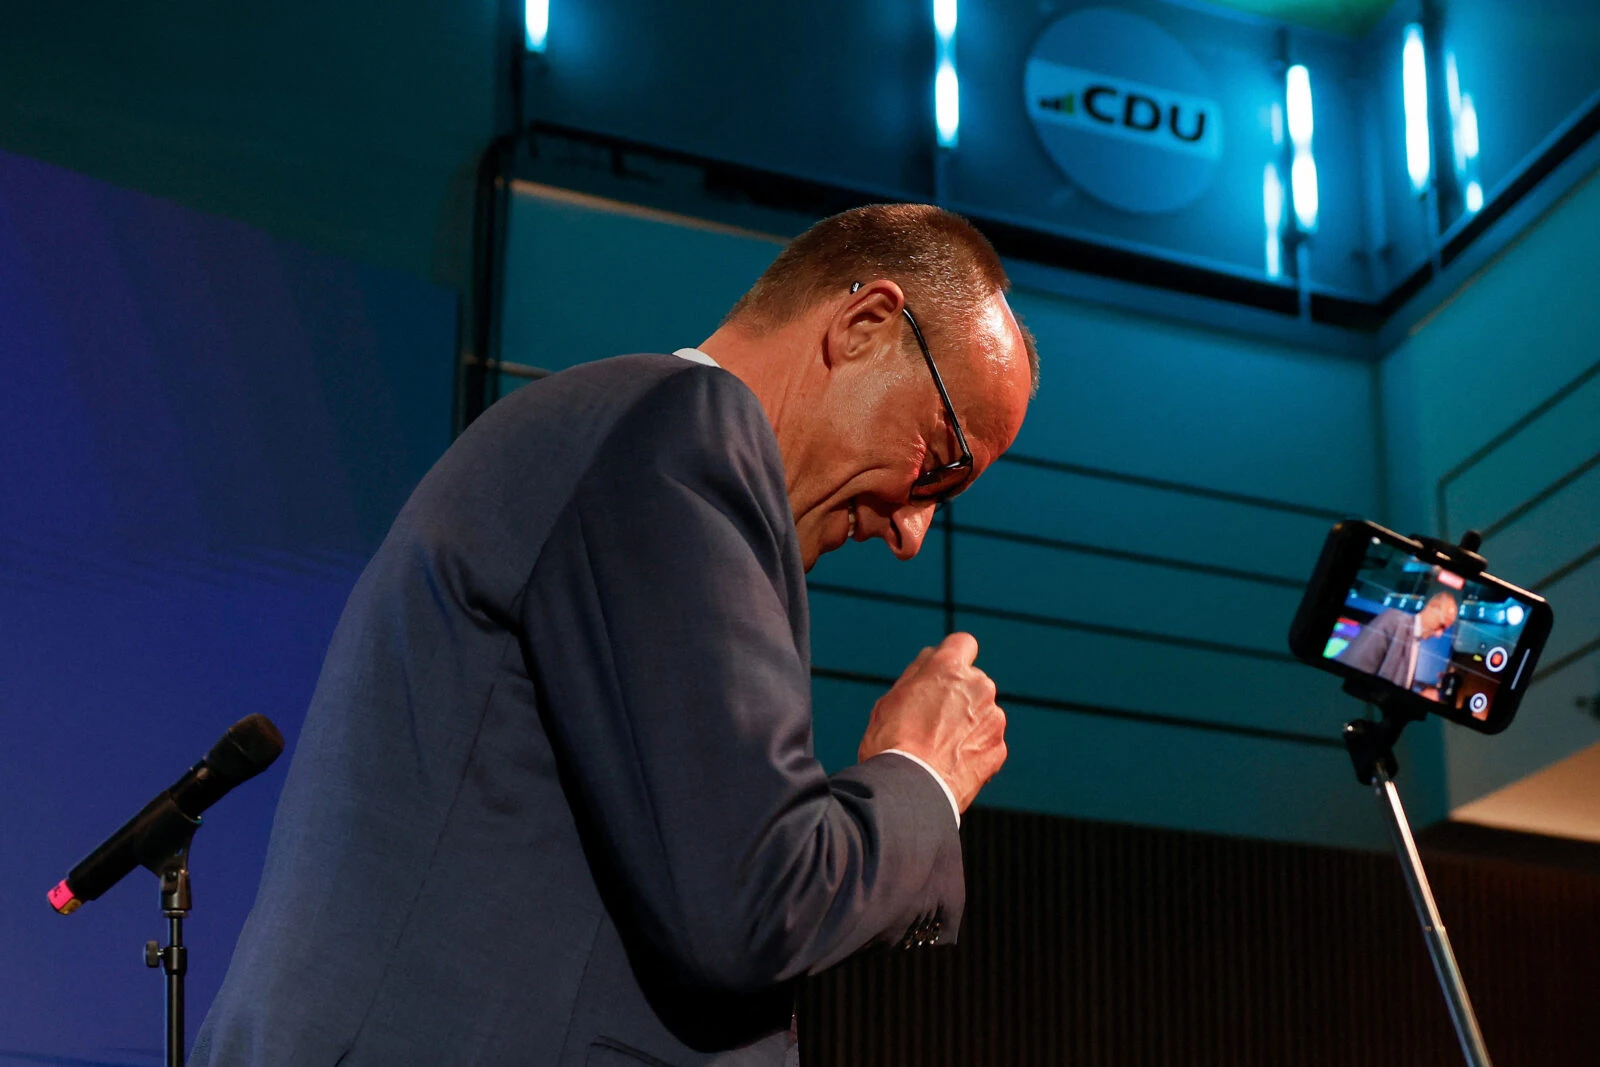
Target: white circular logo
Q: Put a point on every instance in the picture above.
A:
(1479, 703)
(1123, 110)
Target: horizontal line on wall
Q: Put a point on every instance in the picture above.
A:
(1495, 443)
(1104, 712)
(1053, 622)
(1581, 652)
(1144, 481)
(1081, 548)
(1566, 570)
(639, 211)
(1541, 496)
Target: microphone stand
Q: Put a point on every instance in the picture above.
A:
(173, 871)
(158, 839)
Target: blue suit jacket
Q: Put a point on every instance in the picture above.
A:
(555, 800)
(1384, 646)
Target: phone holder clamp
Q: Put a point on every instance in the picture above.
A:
(1464, 558)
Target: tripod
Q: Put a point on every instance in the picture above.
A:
(1371, 748)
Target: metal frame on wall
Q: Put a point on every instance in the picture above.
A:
(773, 203)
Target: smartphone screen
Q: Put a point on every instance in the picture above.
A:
(1449, 639)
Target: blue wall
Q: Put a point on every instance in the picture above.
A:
(207, 431)
(1181, 458)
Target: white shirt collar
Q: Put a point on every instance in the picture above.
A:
(694, 355)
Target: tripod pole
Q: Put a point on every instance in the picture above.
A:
(1444, 959)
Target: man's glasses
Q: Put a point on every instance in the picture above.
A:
(948, 480)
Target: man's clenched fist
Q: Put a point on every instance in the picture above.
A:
(942, 711)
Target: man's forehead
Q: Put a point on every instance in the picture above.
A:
(995, 321)
(994, 378)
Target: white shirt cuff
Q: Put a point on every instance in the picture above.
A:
(955, 809)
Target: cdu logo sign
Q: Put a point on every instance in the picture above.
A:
(1123, 110)
(1118, 107)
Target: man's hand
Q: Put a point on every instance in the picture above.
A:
(942, 711)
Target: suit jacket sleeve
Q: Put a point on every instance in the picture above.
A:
(1371, 645)
(669, 658)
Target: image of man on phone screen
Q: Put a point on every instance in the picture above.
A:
(1388, 645)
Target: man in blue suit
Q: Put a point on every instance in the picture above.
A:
(1387, 646)
(555, 800)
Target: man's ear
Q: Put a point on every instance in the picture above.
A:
(865, 321)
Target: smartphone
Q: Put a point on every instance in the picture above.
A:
(1420, 629)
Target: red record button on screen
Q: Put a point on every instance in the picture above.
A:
(1496, 659)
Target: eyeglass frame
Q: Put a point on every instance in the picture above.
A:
(964, 461)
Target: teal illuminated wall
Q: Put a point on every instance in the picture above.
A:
(353, 127)
(1493, 415)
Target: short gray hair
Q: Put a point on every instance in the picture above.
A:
(946, 268)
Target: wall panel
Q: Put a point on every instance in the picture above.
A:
(1133, 674)
(1556, 437)
(1095, 945)
(1125, 595)
(1109, 510)
(584, 282)
(1491, 410)
(871, 567)
(1210, 410)
(1552, 533)
(868, 635)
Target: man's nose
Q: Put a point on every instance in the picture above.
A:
(910, 526)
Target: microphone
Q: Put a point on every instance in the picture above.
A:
(163, 827)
